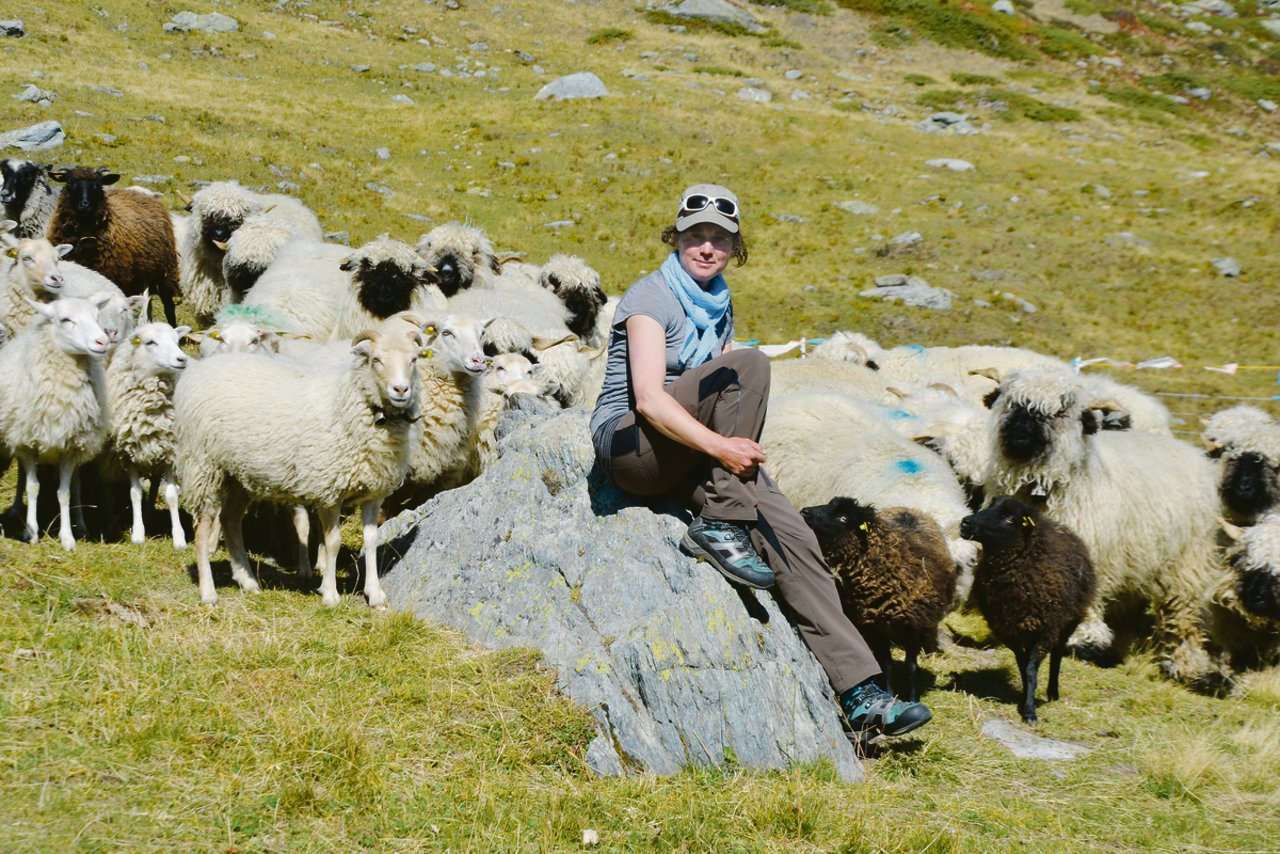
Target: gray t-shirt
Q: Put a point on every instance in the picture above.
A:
(652, 297)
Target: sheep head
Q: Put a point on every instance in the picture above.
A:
(1005, 525)
(392, 362)
(843, 528)
(385, 273)
(457, 252)
(85, 196)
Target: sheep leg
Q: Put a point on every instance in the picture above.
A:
(1055, 664)
(913, 672)
(1029, 666)
(166, 299)
(372, 587)
(79, 526)
(206, 537)
(1093, 638)
(233, 507)
(332, 540)
(28, 462)
(66, 470)
(884, 657)
(302, 527)
(139, 534)
(170, 488)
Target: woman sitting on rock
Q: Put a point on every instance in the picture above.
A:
(681, 413)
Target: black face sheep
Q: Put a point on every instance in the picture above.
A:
(1249, 483)
(461, 255)
(895, 575)
(125, 236)
(578, 287)
(1144, 504)
(27, 197)
(1032, 584)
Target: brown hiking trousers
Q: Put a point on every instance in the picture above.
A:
(730, 394)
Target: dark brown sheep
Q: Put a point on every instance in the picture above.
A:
(125, 235)
(895, 575)
(1032, 584)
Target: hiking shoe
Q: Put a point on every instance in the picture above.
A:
(871, 710)
(727, 545)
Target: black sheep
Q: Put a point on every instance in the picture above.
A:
(1032, 584)
(895, 575)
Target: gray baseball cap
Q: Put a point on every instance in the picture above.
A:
(708, 203)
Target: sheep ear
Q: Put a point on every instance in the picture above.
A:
(495, 265)
(1232, 531)
(101, 298)
(110, 178)
(45, 309)
(63, 249)
(183, 332)
(59, 175)
(362, 344)
(1091, 421)
(348, 264)
(990, 398)
(7, 225)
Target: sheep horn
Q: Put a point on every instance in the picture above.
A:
(542, 342)
(1210, 445)
(989, 373)
(1232, 531)
(221, 244)
(184, 198)
(945, 389)
(507, 257)
(1107, 404)
(860, 351)
(897, 392)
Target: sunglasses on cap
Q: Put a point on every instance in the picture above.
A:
(698, 202)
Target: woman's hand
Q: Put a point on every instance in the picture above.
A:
(740, 455)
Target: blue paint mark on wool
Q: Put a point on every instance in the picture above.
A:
(908, 466)
(899, 414)
(915, 348)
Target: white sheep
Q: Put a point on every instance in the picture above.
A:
(1145, 505)
(1221, 428)
(141, 376)
(1244, 601)
(217, 210)
(53, 399)
(253, 428)
(846, 377)
(821, 445)
(461, 255)
(1249, 471)
(250, 251)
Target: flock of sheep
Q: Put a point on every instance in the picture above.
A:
(1058, 504)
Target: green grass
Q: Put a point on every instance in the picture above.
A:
(269, 723)
(610, 35)
(919, 80)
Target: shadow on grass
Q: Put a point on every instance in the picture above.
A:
(998, 683)
(272, 576)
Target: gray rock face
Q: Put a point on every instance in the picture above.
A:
(910, 290)
(952, 163)
(584, 84)
(947, 122)
(1221, 8)
(676, 666)
(40, 137)
(857, 208)
(35, 95)
(1228, 266)
(716, 10)
(215, 22)
(752, 93)
(13, 29)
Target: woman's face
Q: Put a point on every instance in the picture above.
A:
(704, 251)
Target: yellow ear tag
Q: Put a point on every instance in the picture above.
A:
(426, 352)
(430, 329)
(1028, 522)
(864, 527)
(13, 252)
(215, 335)
(136, 340)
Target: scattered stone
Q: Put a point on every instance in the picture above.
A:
(1128, 238)
(858, 208)
(751, 93)
(1096, 190)
(1271, 25)
(583, 84)
(381, 189)
(1221, 8)
(676, 667)
(560, 223)
(105, 138)
(38, 137)
(1028, 745)
(360, 69)
(215, 22)
(907, 238)
(893, 280)
(1018, 303)
(12, 29)
(716, 10)
(425, 67)
(35, 95)
(401, 99)
(793, 219)
(1003, 7)
(1199, 27)
(956, 124)
(1112, 61)
(416, 217)
(800, 95)
(793, 74)
(1228, 267)
(1199, 92)
(107, 90)
(1267, 106)
(914, 292)
(152, 179)
(951, 163)
(383, 153)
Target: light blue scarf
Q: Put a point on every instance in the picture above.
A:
(705, 311)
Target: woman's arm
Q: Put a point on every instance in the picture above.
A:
(647, 358)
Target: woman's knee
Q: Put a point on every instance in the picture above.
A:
(751, 366)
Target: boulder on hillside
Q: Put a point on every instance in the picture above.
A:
(676, 666)
(583, 84)
(720, 11)
(38, 137)
(214, 22)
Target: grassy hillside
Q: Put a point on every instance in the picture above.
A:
(134, 718)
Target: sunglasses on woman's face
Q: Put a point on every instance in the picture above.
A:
(698, 202)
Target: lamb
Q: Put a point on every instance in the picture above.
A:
(1145, 505)
(251, 428)
(217, 212)
(125, 236)
(53, 400)
(462, 255)
(1249, 484)
(27, 197)
(141, 376)
(1032, 585)
(895, 575)
(1244, 602)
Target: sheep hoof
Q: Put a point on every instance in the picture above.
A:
(179, 543)
(209, 598)
(138, 538)
(68, 543)
(330, 599)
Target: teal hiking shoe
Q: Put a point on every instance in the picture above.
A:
(872, 711)
(727, 545)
